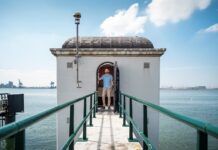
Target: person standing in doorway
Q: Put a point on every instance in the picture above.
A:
(107, 87)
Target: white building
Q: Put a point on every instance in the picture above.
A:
(138, 74)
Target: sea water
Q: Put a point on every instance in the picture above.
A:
(198, 104)
(41, 135)
(174, 135)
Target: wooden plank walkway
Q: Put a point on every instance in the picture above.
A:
(107, 133)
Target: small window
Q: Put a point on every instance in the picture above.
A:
(146, 65)
(69, 65)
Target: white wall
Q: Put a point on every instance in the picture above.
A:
(134, 80)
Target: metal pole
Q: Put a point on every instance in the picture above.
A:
(71, 130)
(130, 124)
(96, 100)
(13, 142)
(77, 39)
(94, 106)
(77, 16)
(90, 117)
(124, 109)
(202, 140)
(77, 55)
(84, 125)
(20, 140)
(120, 103)
(145, 125)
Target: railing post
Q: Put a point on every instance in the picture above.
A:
(96, 100)
(20, 140)
(202, 140)
(71, 129)
(124, 109)
(120, 103)
(90, 117)
(130, 124)
(94, 106)
(84, 125)
(145, 125)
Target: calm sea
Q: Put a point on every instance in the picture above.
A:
(42, 135)
(199, 104)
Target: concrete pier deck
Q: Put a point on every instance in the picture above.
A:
(107, 133)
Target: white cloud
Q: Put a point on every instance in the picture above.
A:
(161, 12)
(213, 28)
(28, 78)
(124, 22)
(210, 29)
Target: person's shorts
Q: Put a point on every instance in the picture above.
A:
(106, 91)
(106, 88)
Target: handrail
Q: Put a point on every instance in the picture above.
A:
(16, 127)
(70, 139)
(144, 138)
(202, 127)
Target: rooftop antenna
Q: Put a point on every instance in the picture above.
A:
(77, 17)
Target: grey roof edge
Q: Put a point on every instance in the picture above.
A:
(115, 52)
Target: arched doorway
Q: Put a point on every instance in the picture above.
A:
(114, 71)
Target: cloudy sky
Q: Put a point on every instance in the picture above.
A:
(187, 28)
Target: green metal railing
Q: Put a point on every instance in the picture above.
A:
(203, 129)
(18, 128)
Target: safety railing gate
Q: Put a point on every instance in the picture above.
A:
(203, 129)
(18, 128)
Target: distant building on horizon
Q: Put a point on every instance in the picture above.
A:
(10, 84)
(52, 84)
(20, 84)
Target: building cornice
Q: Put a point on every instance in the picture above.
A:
(110, 52)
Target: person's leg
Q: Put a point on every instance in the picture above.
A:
(103, 96)
(109, 96)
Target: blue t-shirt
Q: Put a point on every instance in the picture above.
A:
(107, 78)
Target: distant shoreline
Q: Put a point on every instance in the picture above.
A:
(189, 88)
(162, 88)
(27, 88)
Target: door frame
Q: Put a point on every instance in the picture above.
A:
(117, 79)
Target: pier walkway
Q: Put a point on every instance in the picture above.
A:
(107, 133)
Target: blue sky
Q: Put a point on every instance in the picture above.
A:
(187, 28)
